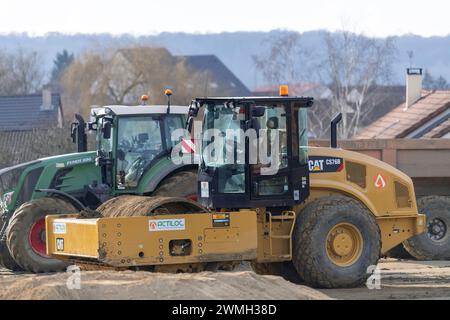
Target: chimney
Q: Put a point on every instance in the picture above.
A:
(46, 99)
(413, 86)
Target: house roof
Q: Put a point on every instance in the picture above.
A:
(16, 147)
(428, 116)
(220, 76)
(439, 131)
(26, 112)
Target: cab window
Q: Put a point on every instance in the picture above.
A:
(139, 141)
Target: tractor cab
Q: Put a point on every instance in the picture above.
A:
(254, 151)
(130, 140)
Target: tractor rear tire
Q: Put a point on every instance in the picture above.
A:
(26, 234)
(181, 184)
(434, 244)
(336, 239)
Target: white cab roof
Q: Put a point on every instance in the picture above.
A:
(142, 109)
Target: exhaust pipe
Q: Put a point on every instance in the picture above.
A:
(336, 119)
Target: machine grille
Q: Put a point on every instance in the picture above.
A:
(356, 173)
(402, 195)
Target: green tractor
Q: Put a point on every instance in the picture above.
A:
(132, 157)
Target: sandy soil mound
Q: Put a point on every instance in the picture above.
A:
(147, 285)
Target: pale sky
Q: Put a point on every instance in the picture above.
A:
(140, 17)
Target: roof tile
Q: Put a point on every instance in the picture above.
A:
(398, 122)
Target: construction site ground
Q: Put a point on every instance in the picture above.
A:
(400, 279)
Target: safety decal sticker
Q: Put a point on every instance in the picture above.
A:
(320, 164)
(59, 228)
(221, 220)
(380, 181)
(204, 189)
(166, 225)
(59, 244)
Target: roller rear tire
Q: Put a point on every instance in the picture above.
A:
(434, 244)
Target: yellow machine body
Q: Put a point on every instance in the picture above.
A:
(157, 240)
(248, 234)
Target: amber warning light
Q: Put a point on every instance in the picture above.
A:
(284, 91)
(144, 99)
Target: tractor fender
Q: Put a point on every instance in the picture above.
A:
(61, 194)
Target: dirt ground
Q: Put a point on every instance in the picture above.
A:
(399, 280)
(404, 279)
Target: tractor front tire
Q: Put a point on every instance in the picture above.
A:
(6, 261)
(336, 239)
(26, 234)
(434, 244)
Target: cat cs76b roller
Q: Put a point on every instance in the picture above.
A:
(320, 215)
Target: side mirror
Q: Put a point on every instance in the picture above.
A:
(272, 123)
(258, 112)
(74, 131)
(78, 133)
(143, 137)
(190, 123)
(106, 129)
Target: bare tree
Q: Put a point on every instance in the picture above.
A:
(283, 62)
(344, 71)
(353, 66)
(20, 72)
(121, 76)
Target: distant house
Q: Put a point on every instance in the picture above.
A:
(217, 76)
(21, 117)
(424, 114)
(28, 112)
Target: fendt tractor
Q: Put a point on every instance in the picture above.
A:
(327, 229)
(132, 157)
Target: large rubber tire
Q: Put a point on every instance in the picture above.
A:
(6, 261)
(181, 184)
(310, 257)
(399, 252)
(21, 228)
(284, 269)
(423, 247)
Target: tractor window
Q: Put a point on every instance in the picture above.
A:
(105, 145)
(138, 142)
(172, 123)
